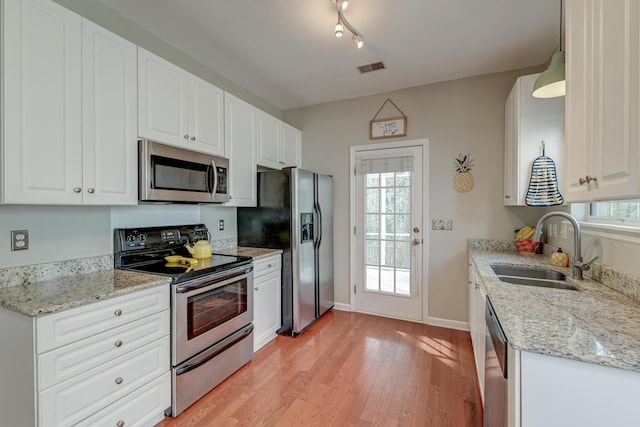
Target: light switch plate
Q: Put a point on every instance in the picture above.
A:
(441, 224)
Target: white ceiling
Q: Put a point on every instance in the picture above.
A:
(285, 52)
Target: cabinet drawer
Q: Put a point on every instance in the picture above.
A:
(65, 362)
(266, 266)
(73, 400)
(143, 407)
(73, 325)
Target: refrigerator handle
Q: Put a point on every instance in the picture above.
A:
(317, 223)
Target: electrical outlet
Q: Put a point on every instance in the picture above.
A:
(221, 224)
(19, 240)
(441, 224)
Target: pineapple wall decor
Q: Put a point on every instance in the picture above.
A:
(463, 179)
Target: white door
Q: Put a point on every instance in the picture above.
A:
(110, 114)
(162, 100)
(42, 103)
(388, 235)
(206, 117)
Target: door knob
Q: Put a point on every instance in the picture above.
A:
(416, 241)
(416, 229)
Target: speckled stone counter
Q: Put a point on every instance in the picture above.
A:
(594, 324)
(40, 298)
(255, 253)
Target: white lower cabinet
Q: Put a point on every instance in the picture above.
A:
(477, 325)
(555, 392)
(267, 299)
(89, 364)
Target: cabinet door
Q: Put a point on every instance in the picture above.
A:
(162, 97)
(617, 90)
(510, 148)
(266, 309)
(206, 117)
(290, 146)
(42, 139)
(268, 141)
(579, 99)
(240, 135)
(109, 95)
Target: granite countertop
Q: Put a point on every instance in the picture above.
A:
(594, 324)
(255, 253)
(50, 296)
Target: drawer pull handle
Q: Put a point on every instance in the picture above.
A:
(118, 343)
(120, 423)
(118, 380)
(118, 312)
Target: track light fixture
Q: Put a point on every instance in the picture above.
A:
(358, 39)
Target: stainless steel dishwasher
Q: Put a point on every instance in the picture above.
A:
(495, 371)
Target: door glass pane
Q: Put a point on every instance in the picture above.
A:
(388, 233)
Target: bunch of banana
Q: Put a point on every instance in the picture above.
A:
(525, 233)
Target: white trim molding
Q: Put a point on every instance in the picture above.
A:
(621, 233)
(450, 324)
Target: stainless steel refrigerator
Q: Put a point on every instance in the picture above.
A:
(295, 214)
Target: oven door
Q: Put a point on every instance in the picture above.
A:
(209, 309)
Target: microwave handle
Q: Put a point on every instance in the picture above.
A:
(214, 174)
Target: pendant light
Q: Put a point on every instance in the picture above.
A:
(551, 83)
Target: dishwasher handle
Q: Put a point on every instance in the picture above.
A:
(498, 337)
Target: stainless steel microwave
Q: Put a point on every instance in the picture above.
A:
(177, 175)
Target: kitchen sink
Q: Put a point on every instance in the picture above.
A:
(532, 277)
(507, 270)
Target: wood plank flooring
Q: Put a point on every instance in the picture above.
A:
(350, 369)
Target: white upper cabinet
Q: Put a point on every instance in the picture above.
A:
(42, 133)
(528, 122)
(109, 130)
(603, 88)
(279, 144)
(290, 146)
(69, 109)
(178, 108)
(268, 141)
(240, 135)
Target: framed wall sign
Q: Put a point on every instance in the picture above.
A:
(390, 127)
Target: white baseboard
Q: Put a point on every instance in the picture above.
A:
(341, 307)
(451, 324)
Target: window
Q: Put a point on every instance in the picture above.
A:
(623, 212)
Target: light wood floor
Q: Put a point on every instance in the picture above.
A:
(350, 369)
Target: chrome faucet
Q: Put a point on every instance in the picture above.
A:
(578, 265)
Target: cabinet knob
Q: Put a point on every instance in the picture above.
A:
(193, 138)
(186, 137)
(590, 178)
(416, 229)
(256, 288)
(118, 312)
(77, 189)
(269, 265)
(280, 162)
(120, 423)
(118, 343)
(91, 190)
(119, 380)
(507, 197)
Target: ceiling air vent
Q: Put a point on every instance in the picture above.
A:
(374, 66)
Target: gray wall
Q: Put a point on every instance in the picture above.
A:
(460, 116)
(113, 21)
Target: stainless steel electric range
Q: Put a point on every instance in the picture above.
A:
(211, 304)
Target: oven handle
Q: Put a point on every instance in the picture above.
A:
(216, 349)
(205, 282)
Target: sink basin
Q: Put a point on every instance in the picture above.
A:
(507, 270)
(532, 277)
